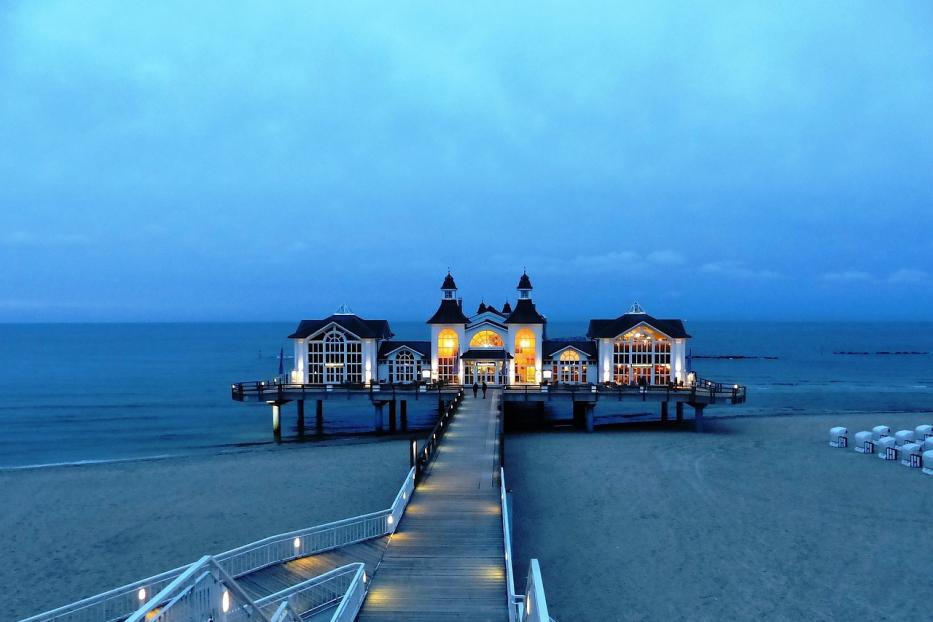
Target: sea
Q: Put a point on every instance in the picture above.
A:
(83, 393)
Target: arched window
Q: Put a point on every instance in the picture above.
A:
(333, 358)
(448, 349)
(642, 353)
(525, 356)
(569, 367)
(403, 368)
(486, 339)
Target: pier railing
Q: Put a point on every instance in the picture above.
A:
(118, 603)
(272, 390)
(423, 456)
(705, 390)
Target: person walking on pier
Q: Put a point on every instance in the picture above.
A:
(485, 386)
(475, 389)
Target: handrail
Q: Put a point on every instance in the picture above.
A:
(736, 392)
(513, 604)
(273, 388)
(535, 609)
(117, 603)
(429, 449)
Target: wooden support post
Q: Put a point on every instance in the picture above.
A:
(392, 422)
(319, 417)
(300, 404)
(403, 415)
(680, 412)
(698, 418)
(590, 419)
(377, 416)
(664, 414)
(277, 420)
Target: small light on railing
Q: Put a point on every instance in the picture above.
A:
(390, 519)
(225, 602)
(297, 543)
(365, 578)
(141, 594)
(404, 495)
(736, 387)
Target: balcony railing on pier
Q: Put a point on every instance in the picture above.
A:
(271, 390)
(706, 390)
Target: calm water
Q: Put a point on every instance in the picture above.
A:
(123, 391)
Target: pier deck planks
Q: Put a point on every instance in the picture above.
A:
(446, 559)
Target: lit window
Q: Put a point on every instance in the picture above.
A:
(525, 355)
(486, 339)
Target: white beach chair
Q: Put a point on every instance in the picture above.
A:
(902, 437)
(880, 430)
(910, 455)
(928, 462)
(922, 432)
(886, 447)
(838, 437)
(864, 443)
(927, 443)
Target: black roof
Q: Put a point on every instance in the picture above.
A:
(525, 313)
(421, 347)
(506, 308)
(524, 282)
(553, 345)
(365, 329)
(622, 324)
(449, 282)
(493, 309)
(448, 313)
(482, 308)
(486, 354)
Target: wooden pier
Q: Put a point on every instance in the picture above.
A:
(446, 560)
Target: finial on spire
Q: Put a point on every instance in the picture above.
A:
(636, 309)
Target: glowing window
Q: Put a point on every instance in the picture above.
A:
(448, 349)
(525, 354)
(486, 339)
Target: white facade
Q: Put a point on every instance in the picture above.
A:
(498, 347)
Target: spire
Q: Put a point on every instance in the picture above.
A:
(482, 308)
(506, 308)
(448, 287)
(344, 309)
(636, 309)
(524, 286)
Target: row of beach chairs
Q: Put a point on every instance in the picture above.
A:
(912, 448)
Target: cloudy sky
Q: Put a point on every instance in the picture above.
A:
(240, 161)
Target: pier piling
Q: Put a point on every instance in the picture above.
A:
(664, 412)
(319, 417)
(698, 418)
(403, 415)
(392, 417)
(680, 412)
(300, 406)
(277, 420)
(377, 416)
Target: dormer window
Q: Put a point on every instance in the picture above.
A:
(448, 294)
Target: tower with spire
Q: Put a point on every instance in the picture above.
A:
(447, 334)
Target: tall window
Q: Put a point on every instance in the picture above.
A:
(486, 339)
(642, 354)
(448, 349)
(334, 359)
(525, 356)
(403, 367)
(569, 367)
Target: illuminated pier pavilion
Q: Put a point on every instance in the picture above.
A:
(629, 358)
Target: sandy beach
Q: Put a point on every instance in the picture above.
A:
(71, 532)
(756, 519)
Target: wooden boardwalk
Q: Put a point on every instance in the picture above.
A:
(281, 576)
(446, 559)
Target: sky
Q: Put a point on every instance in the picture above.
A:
(238, 161)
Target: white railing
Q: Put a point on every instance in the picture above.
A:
(513, 603)
(118, 603)
(535, 609)
(532, 606)
(341, 585)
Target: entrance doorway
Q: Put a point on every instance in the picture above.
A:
(490, 372)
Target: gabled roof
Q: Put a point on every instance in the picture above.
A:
(489, 321)
(364, 329)
(624, 323)
(552, 346)
(449, 312)
(525, 313)
(448, 282)
(388, 347)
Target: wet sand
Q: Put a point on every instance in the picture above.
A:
(71, 532)
(756, 519)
